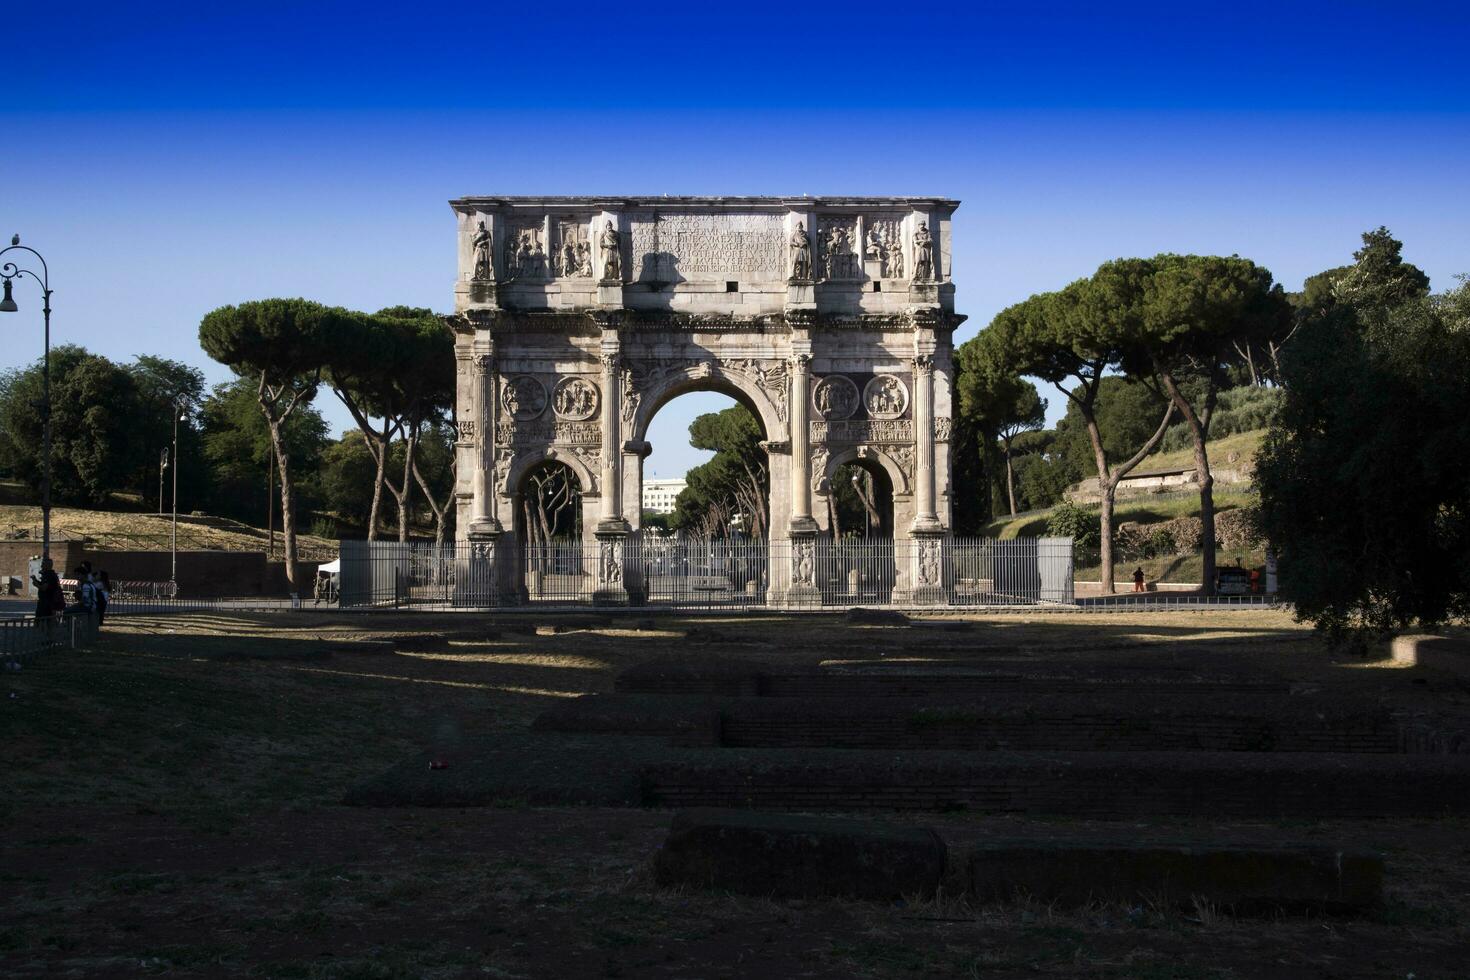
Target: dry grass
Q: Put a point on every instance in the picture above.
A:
(124, 530)
(170, 809)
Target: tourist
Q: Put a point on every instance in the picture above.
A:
(1138, 579)
(86, 590)
(104, 593)
(49, 598)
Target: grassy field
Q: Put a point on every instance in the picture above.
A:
(131, 529)
(171, 808)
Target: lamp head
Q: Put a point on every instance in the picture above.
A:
(7, 305)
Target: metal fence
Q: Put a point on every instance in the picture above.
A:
(23, 637)
(648, 570)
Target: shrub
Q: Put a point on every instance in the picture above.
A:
(1082, 524)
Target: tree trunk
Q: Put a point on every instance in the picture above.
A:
(410, 443)
(381, 452)
(1106, 487)
(1206, 481)
(288, 501)
(1010, 478)
(440, 512)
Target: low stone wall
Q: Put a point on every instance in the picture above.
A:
(1239, 879)
(1210, 722)
(1102, 785)
(783, 856)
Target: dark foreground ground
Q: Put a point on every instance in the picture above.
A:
(170, 808)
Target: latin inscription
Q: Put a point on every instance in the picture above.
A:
(706, 246)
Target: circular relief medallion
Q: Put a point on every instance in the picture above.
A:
(523, 397)
(885, 397)
(835, 397)
(575, 400)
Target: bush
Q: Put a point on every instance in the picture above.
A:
(1241, 409)
(1082, 524)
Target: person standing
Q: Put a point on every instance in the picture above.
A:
(49, 597)
(1138, 579)
(104, 595)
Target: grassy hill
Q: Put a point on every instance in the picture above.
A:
(140, 531)
(1154, 508)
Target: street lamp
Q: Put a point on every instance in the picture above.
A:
(9, 271)
(180, 415)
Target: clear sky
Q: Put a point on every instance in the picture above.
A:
(169, 158)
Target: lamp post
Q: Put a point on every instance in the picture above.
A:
(9, 271)
(180, 408)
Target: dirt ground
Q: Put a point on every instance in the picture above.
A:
(171, 809)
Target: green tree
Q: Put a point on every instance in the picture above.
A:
(1192, 312)
(1365, 475)
(163, 386)
(347, 471)
(96, 449)
(1073, 339)
(282, 345)
(735, 482)
(237, 452)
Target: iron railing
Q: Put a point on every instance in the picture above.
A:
(24, 637)
(648, 570)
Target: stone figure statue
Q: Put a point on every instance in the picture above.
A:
(568, 259)
(875, 244)
(923, 253)
(481, 243)
(801, 253)
(584, 259)
(612, 253)
(895, 259)
(525, 261)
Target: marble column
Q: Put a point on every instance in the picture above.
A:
(611, 513)
(925, 516)
(483, 522)
(801, 477)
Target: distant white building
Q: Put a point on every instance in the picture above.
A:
(659, 495)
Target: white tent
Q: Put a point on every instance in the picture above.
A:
(334, 566)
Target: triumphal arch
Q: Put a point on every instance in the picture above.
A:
(830, 318)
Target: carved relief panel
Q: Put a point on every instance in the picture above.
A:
(522, 397)
(573, 250)
(885, 397)
(884, 246)
(525, 252)
(575, 399)
(834, 397)
(837, 248)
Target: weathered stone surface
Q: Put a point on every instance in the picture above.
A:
(1447, 653)
(799, 856)
(679, 675)
(1240, 878)
(576, 318)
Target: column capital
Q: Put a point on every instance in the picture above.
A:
(924, 364)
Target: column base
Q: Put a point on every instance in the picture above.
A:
(613, 526)
(924, 293)
(928, 572)
(928, 526)
(611, 570)
(485, 529)
(610, 292)
(804, 527)
(801, 292)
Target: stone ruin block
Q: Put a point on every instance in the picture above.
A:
(785, 856)
(1241, 879)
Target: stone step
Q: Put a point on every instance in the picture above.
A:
(1104, 720)
(1237, 879)
(1102, 785)
(787, 856)
(740, 678)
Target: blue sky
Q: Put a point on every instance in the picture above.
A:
(168, 159)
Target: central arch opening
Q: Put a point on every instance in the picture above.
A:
(705, 498)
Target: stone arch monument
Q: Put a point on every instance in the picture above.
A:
(577, 318)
